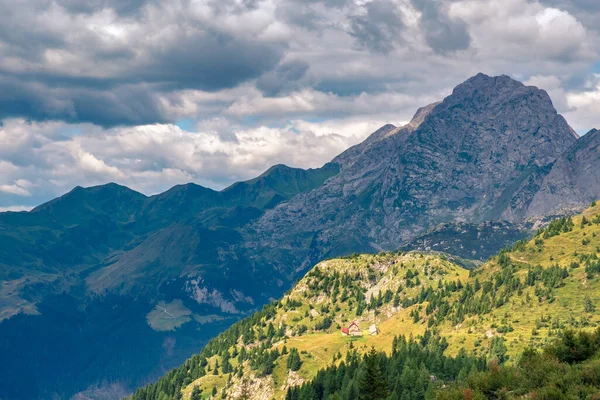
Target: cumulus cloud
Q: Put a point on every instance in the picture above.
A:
(314, 103)
(586, 11)
(15, 188)
(519, 30)
(15, 208)
(378, 26)
(151, 158)
(287, 77)
(442, 33)
(584, 106)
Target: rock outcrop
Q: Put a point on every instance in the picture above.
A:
(573, 181)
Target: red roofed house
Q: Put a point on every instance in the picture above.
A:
(353, 330)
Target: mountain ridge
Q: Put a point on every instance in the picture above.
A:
(394, 182)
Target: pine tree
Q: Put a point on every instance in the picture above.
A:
(294, 363)
(498, 349)
(589, 306)
(196, 393)
(372, 384)
(227, 368)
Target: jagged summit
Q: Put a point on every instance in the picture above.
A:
(379, 134)
(469, 158)
(481, 79)
(421, 114)
(390, 130)
(377, 141)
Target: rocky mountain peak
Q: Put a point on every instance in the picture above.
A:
(482, 80)
(465, 159)
(573, 180)
(491, 97)
(586, 143)
(493, 118)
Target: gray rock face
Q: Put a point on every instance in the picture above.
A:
(573, 181)
(469, 241)
(479, 155)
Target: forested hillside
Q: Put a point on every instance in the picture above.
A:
(522, 298)
(565, 369)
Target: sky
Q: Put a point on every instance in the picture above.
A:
(151, 94)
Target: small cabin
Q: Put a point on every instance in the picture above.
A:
(354, 329)
(345, 331)
(373, 330)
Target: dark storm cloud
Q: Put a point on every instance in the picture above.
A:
(121, 7)
(124, 105)
(112, 81)
(443, 34)
(286, 78)
(209, 61)
(78, 61)
(21, 37)
(379, 28)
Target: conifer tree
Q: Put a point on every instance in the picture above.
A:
(372, 384)
(196, 393)
(498, 349)
(294, 363)
(589, 306)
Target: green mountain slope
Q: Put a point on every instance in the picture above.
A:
(104, 267)
(521, 298)
(418, 369)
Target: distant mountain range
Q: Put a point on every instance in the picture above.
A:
(153, 278)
